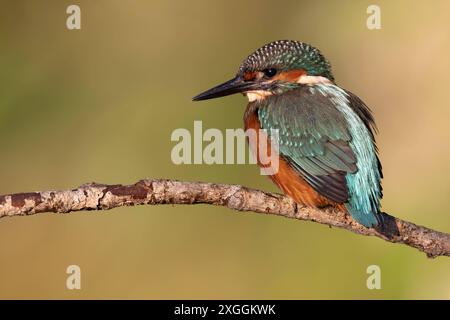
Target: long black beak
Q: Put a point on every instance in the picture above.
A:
(235, 85)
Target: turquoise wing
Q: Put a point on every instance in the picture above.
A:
(317, 140)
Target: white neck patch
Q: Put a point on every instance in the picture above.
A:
(305, 79)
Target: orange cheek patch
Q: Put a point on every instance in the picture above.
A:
(290, 76)
(249, 76)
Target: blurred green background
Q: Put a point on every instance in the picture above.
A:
(99, 104)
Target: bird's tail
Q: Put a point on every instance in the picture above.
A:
(369, 219)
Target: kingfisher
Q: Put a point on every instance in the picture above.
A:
(327, 150)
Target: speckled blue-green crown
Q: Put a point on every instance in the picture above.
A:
(287, 55)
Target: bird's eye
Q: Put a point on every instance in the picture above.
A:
(270, 72)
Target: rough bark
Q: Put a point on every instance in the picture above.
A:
(95, 196)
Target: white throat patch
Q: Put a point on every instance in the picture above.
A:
(257, 95)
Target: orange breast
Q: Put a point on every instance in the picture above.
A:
(287, 179)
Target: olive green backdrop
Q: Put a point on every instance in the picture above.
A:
(99, 104)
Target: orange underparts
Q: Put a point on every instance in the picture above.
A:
(287, 179)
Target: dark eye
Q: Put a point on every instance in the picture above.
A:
(270, 72)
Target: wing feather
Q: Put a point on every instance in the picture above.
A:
(313, 139)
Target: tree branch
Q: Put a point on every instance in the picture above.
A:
(95, 196)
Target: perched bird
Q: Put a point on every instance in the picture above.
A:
(327, 149)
